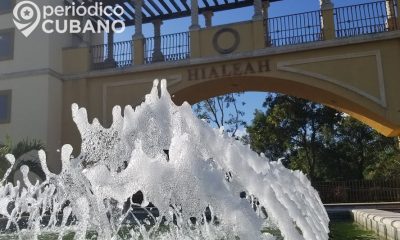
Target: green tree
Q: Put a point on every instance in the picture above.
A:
(361, 146)
(295, 129)
(387, 168)
(387, 161)
(355, 150)
(222, 111)
(323, 143)
(269, 138)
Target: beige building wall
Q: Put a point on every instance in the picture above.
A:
(35, 112)
(34, 77)
(38, 51)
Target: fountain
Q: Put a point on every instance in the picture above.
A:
(203, 184)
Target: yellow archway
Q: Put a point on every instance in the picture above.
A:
(217, 87)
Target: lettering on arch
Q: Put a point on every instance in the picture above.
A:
(229, 70)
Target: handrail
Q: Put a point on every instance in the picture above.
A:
(294, 29)
(122, 55)
(169, 47)
(366, 18)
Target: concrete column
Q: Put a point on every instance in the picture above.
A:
(391, 13)
(325, 4)
(398, 14)
(138, 51)
(97, 38)
(265, 16)
(194, 30)
(257, 10)
(157, 54)
(257, 25)
(87, 36)
(208, 18)
(328, 20)
(258, 35)
(265, 9)
(138, 18)
(195, 45)
(110, 48)
(86, 40)
(138, 37)
(195, 15)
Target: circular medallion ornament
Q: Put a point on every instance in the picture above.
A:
(223, 49)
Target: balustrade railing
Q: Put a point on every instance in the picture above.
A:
(294, 29)
(171, 47)
(368, 18)
(122, 55)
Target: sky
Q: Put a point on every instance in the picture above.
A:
(280, 8)
(254, 100)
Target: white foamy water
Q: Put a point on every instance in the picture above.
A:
(193, 174)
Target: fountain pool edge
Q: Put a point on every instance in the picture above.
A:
(384, 223)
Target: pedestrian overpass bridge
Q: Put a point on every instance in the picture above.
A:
(347, 58)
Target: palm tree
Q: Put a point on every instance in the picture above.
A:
(21, 148)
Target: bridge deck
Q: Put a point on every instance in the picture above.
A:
(301, 28)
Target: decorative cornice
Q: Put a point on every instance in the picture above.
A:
(271, 51)
(30, 73)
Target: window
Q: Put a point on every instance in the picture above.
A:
(6, 44)
(5, 106)
(6, 6)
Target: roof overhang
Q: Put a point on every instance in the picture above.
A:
(164, 9)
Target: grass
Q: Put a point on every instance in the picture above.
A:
(350, 231)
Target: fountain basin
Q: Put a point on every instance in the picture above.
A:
(193, 174)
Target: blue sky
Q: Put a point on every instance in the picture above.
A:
(280, 8)
(285, 7)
